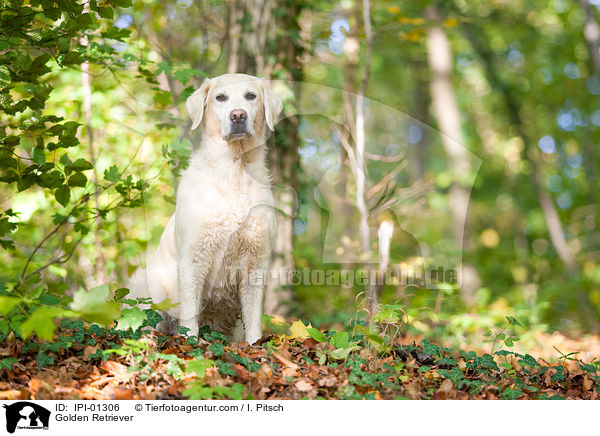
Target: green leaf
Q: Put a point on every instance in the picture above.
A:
(121, 293)
(72, 57)
(51, 180)
(93, 307)
(162, 98)
(8, 363)
(105, 12)
(152, 318)
(42, 360)
(340, 340)
(63, 195)
(529, 361)
(38, 156)
(513, 321)
(78, 179)
(317, 335)
(7, 303)
(41, 322)
(165, 304)
(217, 348)
(112, 174)
(131, 318)
(199, 366)
(81, 165)
(340, 353)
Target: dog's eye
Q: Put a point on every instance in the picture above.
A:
(250, 96)
(221, 97)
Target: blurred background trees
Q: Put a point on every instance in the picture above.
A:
(498, 109)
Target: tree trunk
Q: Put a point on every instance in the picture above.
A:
(361, 170)
(447, 114)
(100, 276)
(591, 32)
(251, 44)
(555, 228)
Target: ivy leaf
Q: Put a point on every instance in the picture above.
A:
(529, 361)
(131, 318)
(217, 348)
(152, 318)
(63, 195)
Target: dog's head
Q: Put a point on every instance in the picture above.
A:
(235, 106)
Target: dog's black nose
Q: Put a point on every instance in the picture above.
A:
(238, 116)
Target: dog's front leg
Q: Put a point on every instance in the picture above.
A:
(189, 293)
(251, 298)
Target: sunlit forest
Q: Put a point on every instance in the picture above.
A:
(435, 170)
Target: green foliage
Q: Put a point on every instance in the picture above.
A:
(93, 305)
(144, 359)
(199, 390)
(40, 157)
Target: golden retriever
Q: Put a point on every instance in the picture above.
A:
(214, 253)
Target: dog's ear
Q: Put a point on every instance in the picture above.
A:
(272, 104)
(195, 103)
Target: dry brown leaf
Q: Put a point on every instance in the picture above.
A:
(289, 371)
(303, 386)
(117, 370)
(328, 381)
(11, 394)
(213, 378)
(90, 349)
(446, 386)
(588, 383)
(285, 362)
(241, 372)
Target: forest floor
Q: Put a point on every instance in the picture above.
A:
(95, 363)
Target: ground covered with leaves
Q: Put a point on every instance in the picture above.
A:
(92, 362)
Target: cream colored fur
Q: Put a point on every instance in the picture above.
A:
(214, 253)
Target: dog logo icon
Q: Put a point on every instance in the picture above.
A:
(26, 415)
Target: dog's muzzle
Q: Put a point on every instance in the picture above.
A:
(238, 119)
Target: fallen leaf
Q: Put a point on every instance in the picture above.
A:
(89, 349)
(12, 394)
(285, 362)
(241, 372)
(328, 381)
(299, 330)
(446, 386)
(588, 383)
(117, 370)
(289, 372)
(303, 386)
